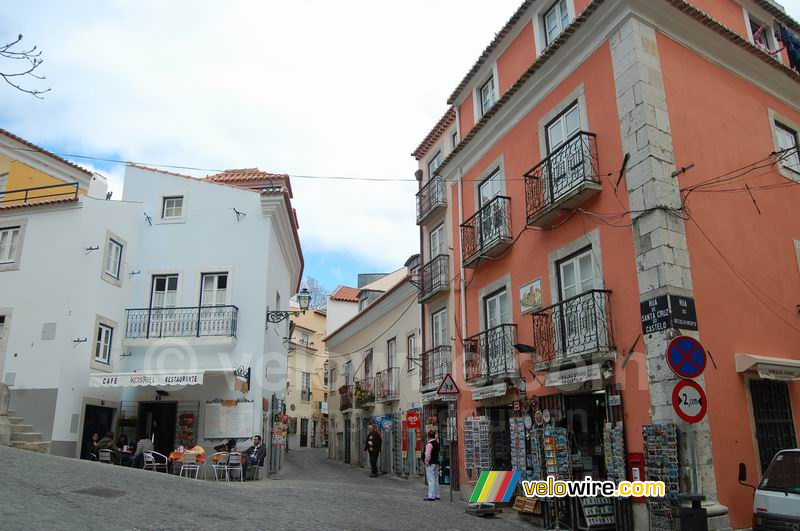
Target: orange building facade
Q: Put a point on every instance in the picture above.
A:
(610, 175)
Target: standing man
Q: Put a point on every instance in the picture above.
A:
(373, 446)
(432, 467)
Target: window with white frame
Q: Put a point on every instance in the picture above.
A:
(788, 147)
(172, 207)
(454, 139)
(215, 289)
(435, 162)
(368, 364)
(9, 240)
(305, 393)
(555, 20)
(439, 329)
(576, 275)
(348, 372)
(332, 376)
(113, 260)
(411, 347)
(3, 182)
(102, 348)
(563, 127)
(487, 96)
(762, 35)
(497, 309)
(391, 353)
(437, 241)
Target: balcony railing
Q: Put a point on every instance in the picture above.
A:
(430, 197)
(345, 397)
(364, 393)
(434, 277)
(491, 354)
(563, 179)
(187, 321)
(435, 364)
(25, 196)
(488, 231)
(574, 328)
(386, 384)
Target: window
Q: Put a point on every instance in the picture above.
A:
(113, 258)
(102, 349)
(773, 418)
(214, 289)
(439, 328)
(391, 353)
(563, 127)
(411, 347)
(325, 376)
(332, 373)
(368, 364)
(497, 308)
(435, 162)
(454, 139)
(172, 207)
(9, 240)
(348, 372)
(165, 291)
(787, 140)
(3, 183)
(305, 393)
(493, 220)
(487, 95)
(576, 275)
(438, 245)
(305, 339)
(555, 20)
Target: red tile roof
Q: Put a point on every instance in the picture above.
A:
(441, 126)
(498, 38)
(372, 306)
(253, 175)
(345, 294)
(34, 147)
(35, 203)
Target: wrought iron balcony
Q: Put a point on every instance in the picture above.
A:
(386, 384)
(487, 232)
(434, 277)
(436, 362)
(491, 354)
(364, 393)
(563, 180)
(430, 198)
(345, 397)
(185, 321)
(574, 329)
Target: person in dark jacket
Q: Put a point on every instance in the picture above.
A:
(107, 443)
(373, 447)
(432, 467)
(254, 456)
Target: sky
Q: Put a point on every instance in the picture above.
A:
(305, 87)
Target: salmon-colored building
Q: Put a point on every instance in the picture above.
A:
(610, 175)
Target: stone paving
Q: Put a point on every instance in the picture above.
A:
(311, 492)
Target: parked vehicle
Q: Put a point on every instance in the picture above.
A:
(776, 502)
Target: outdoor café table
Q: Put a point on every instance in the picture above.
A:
(177, 457)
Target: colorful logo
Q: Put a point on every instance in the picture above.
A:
(495, 487)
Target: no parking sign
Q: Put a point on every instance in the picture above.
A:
(686, 357)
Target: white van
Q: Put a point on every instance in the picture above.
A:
(776, 503)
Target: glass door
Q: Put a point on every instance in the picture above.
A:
(495, 347)
(578, 315)
(561, 165)
(491, 217)
(163, 298)
(213, 318)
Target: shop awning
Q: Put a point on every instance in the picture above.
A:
(769, 367)
(152, 378)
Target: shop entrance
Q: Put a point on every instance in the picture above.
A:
(96, 419)
(303, 433)
(347, 441)
(500, 437)
(585, 419)
(157, 422)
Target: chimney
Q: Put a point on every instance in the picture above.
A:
(98, 186)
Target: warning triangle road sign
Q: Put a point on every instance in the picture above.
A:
(448, 387)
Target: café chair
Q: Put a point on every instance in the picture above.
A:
(155, 461)
(190, 464)
(106, 456)
(219, 463)
(235, 465)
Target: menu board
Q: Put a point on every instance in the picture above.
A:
(234, 421)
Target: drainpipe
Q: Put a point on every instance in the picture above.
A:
(418, 175)
(462, 285)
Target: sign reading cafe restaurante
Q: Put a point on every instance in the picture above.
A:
(138, 379)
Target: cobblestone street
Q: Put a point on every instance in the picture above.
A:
(46, 492)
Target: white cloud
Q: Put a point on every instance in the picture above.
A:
(304, 87)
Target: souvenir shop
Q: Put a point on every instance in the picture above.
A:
(564, 435)
(436, 417)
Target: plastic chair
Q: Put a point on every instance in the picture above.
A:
(235, 464)
(151, 461)
(190, 464)
(105, 456)
(220, 464)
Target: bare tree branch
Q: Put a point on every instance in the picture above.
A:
(33, 60)
(319, 295)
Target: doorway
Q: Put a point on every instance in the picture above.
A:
(585, 418)
(157, 422)
(96, 419)
(303, 433)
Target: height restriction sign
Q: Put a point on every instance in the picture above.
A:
(689, 401)
(686, 357)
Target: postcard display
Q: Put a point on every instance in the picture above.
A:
(661, 464)
(477, 446)
(557, 464)
(614, 448)
(519, 459)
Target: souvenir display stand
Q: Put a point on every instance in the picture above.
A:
(661, 464)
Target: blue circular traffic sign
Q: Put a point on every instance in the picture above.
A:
(686, 357)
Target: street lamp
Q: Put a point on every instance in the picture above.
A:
(303, 299)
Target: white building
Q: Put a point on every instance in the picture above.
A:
(133, 315)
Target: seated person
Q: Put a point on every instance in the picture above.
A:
(107, 443)
(122, 442)
(90, 449)
(254, 456)
(143, 445)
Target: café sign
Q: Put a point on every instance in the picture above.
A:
(141, 379)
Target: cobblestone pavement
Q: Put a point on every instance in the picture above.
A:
(47, 492)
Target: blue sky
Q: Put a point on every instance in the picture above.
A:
(307, 87)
